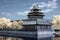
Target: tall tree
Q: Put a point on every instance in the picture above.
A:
(4, 23)
(56, 22)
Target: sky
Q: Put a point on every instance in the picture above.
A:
(18, 9)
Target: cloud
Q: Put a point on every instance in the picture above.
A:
(42, 4)
(14, 16)
(19, 13)
(54, 0)
(6, 13)
(51, 5)
(47, 10)
(3, 13)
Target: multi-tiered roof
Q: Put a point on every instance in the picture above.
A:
(35, 13)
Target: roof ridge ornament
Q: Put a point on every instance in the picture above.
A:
(35, 6)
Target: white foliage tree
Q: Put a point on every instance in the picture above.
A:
(16, 25)
(4, 23)
(20, 24)
(56, 22)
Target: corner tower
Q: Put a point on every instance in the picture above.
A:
(35, 13)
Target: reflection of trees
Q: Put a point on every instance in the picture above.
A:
(56, 22)
(12, 38)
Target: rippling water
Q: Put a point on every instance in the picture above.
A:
(13, 38)
(47, 38)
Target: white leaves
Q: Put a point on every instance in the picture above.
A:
(6, 23)
(16, 25)
(56, 21)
